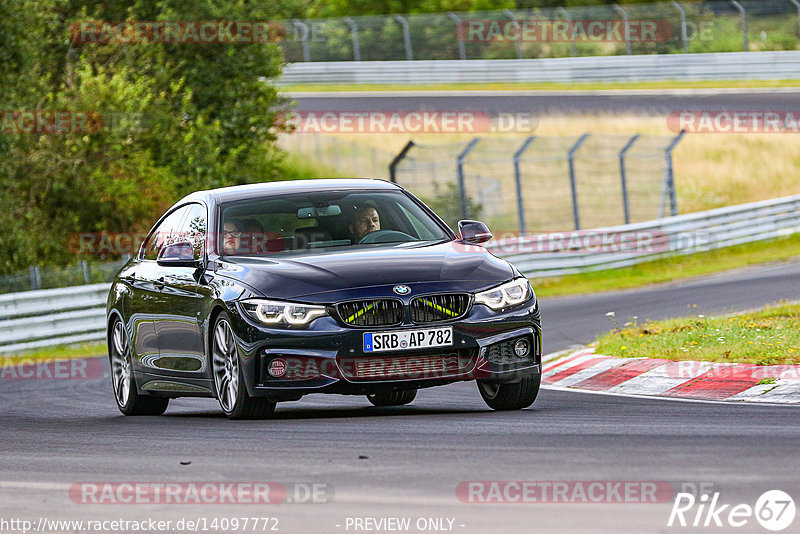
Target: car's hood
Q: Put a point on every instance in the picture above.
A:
(334, 275)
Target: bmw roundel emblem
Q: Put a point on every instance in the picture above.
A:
(401, 290)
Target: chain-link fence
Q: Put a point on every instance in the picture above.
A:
(79, 273)
(544, 183)
(662, 28)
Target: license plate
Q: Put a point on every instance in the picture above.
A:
(408, 339)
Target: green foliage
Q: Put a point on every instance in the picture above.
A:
(447, 204)
(170, 118)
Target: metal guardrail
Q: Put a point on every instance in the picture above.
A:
(35, 319)
(783, 65)
(48, 317)
(592, 30)
(681, 234)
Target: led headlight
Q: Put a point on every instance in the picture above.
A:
(511, 293)
(277, 313)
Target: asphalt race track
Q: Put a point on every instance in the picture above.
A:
(639, 102)
(408, 461)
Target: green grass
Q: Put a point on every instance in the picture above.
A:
(62, 352)
(767, 337)
(671, 268)
(300, 167)
(545, 86)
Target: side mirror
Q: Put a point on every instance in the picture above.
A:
(180, 254)
(474, 232)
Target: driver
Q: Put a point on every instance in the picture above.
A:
(365, 221)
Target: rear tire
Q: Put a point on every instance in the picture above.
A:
(123, 380)
(229, 385)
(511, 396)
(392, 398)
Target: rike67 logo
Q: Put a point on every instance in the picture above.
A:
(774, 510)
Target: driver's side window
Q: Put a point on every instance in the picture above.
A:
(165, 233)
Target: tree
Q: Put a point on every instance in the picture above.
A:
(170, 118)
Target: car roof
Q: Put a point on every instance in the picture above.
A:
(243, 192)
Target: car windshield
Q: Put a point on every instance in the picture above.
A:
(308, 222)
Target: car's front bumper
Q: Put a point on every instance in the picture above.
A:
(327, 357)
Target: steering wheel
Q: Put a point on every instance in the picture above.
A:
(386, 236)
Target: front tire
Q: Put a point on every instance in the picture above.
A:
(392, 398)
(228, 378)
(511, 396)
(123, 381)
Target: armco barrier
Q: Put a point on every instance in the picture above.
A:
(682, 234)
(781, 65)
(34, 319)
(42, 318)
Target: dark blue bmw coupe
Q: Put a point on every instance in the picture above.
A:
(267, 292)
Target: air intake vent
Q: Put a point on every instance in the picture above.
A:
(426, 366)
(377, 312)
(433, 308)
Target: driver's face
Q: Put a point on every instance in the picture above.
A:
(365, 222)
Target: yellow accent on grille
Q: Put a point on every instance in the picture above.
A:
(440, 308)
(359, 313)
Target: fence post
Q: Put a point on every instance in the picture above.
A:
(397, 159)
(406, 36)
(684, 36)
(517, 48)
(85, 268)
(669, 177)
(356, 47)
(573, 51)
(624, 15)
(304, 40)
(572, 183)
(36, 277)
(460, 175)
(518, 179)
(462, 51)
(743, 14)
(797, 5)
(623, 176)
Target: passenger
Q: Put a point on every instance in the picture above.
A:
(253, 238)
